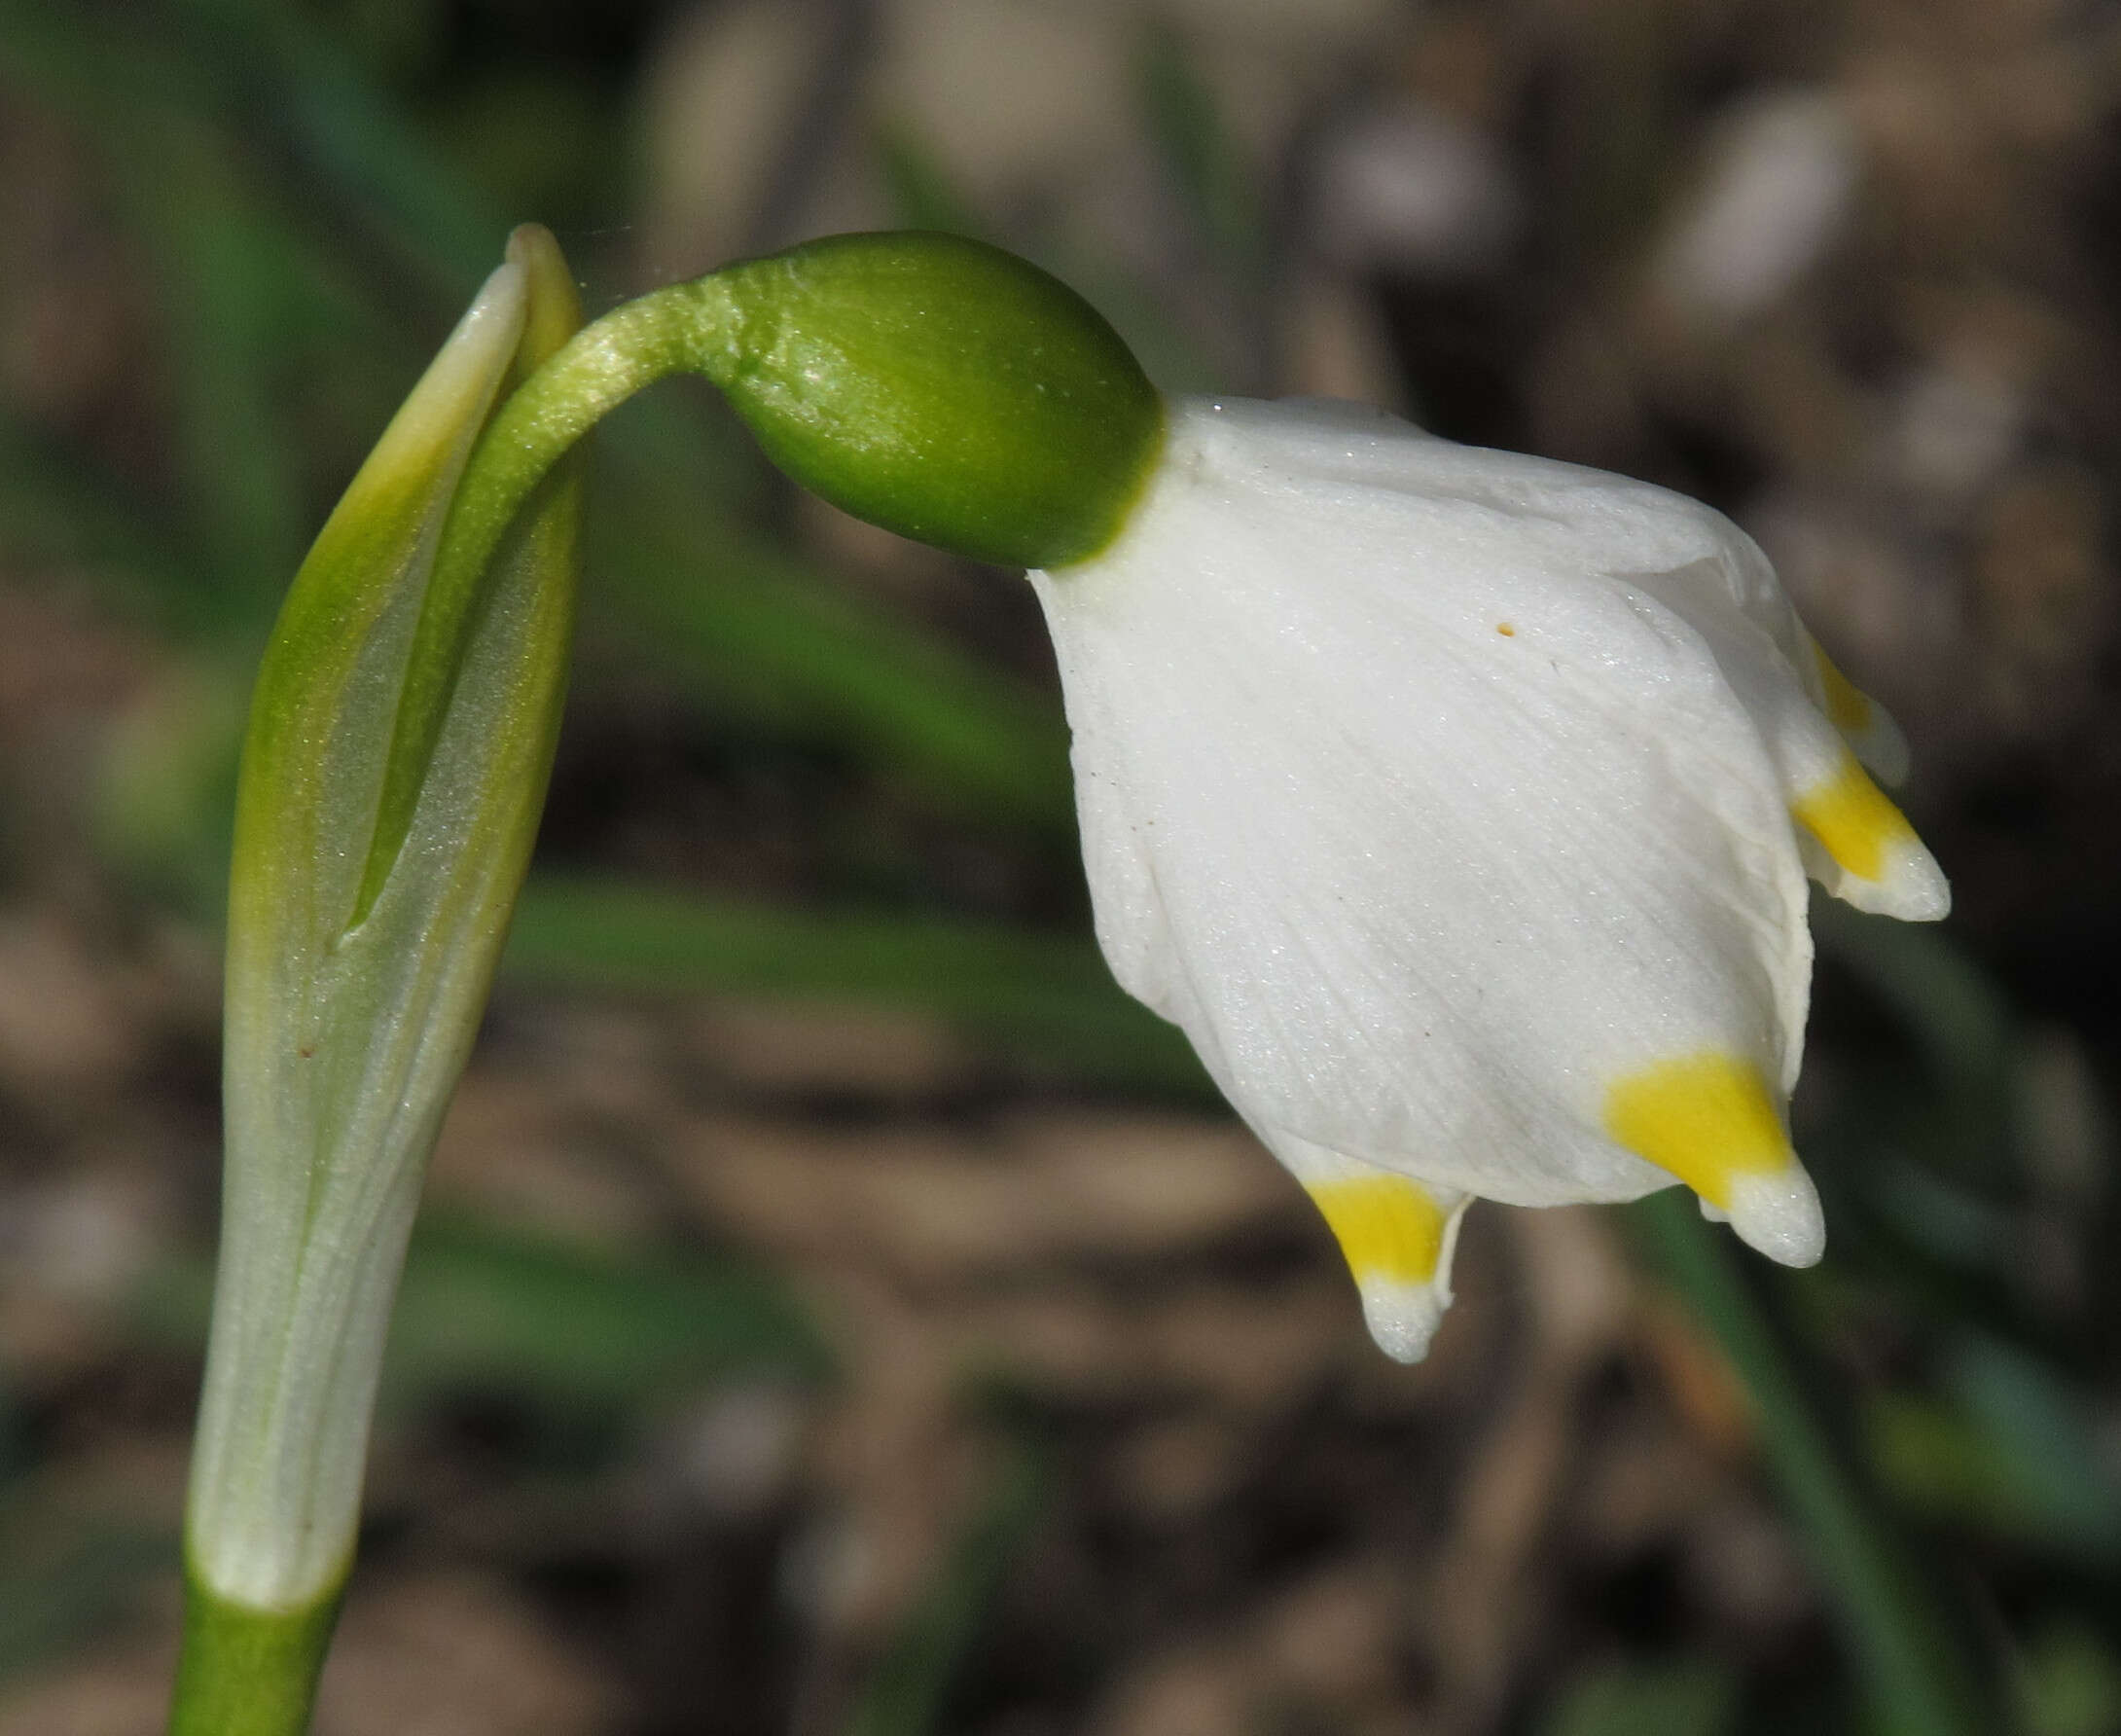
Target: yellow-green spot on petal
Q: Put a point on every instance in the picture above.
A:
(1387, 1227)
(1705, 1118)
(1848, 708)
(1853, 820)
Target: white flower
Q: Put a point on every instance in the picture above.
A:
(1459, 805)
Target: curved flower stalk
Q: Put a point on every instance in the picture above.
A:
(1458, 807)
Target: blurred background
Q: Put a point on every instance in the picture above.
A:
(839, 1309)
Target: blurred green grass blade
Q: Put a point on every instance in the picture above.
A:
(102, 75)
(1186, 126)
(235, 289)
(245, 69)
(922, 192)
(2068, 1684)
(481, 1305)
(1938, 1463)
(751, 624)
(1958, 1018)
(1905, 1648)
(59, 1590)
(485, 1306)
(909, 1691)
(1950, 1224)
(261, 334)
(1957, 1471)
(2047, 1436)
(1685, 1697)
(766, 630)
(347, 135)
(1217, 193)
(1049, 995)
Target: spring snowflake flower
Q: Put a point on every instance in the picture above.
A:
(1458, 805)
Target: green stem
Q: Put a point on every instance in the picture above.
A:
(683, 327)
(1904, 1642)
(248, 1672)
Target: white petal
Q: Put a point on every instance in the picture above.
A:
(1129, 905)
(1426, 829)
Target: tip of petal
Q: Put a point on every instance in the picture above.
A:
(1398, 1239)
(1403, 1317)
(1909, 885)
(1861, 848)
(1712, 1120)
(1779, 1215)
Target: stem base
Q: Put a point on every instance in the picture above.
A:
(246, 1672)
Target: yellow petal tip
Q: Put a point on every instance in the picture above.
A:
(1853, 820)
(1711, 1120)
(1397, 1241)
(1883, 866)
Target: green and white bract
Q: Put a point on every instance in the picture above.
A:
(1459, 805)
(349, 1012)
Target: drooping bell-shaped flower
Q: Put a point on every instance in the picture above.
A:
(1459, 805)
